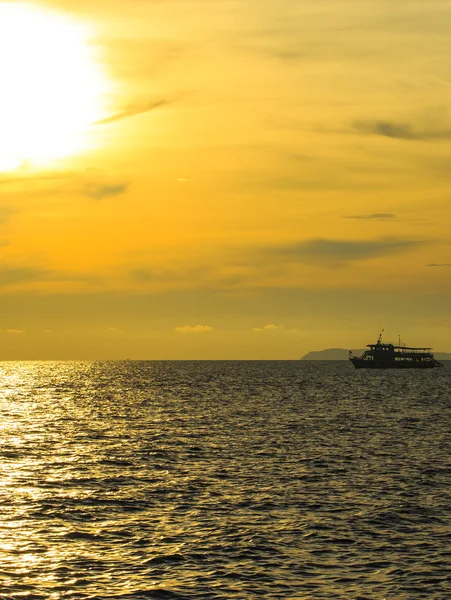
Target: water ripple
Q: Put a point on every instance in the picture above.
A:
(214, 480)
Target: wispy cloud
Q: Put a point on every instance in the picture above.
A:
(373, 217)
(25, 178)
(332, 251)
(99, 191)
(149, 275)
(438, 265)
(401, 131)
(5, 213)
(193, 329)
(10, 275)
(132, 110)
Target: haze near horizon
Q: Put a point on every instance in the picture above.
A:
(223, 180)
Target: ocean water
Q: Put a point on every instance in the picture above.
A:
(217, 480)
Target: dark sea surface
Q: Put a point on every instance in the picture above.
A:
(216, 480)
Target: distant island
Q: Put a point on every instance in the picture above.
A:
(342, 354)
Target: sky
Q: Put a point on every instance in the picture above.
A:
(223, 179)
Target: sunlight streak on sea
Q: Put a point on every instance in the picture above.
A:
(219, 480)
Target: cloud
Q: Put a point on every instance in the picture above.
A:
(149, 275)
(17, 331)
(438, 265)
(5, 214)
(401, 131)
(99, 191)
(332, 252)
(132, 110)
(142, 58)
(373, 217)
(12, 275)
(269, 327)
(25, 178)
(193, 329)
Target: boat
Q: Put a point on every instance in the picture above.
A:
(389, 356)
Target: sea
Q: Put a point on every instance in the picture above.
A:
(224, 480)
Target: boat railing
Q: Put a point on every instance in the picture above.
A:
(401, 348)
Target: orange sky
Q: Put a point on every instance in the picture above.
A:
(177, 176)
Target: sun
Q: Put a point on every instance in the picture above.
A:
(51, 86)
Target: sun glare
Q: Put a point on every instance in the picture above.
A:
(51, 86)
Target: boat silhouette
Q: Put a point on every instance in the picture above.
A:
(389, 356)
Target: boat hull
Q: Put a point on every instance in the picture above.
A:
(360, 363)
